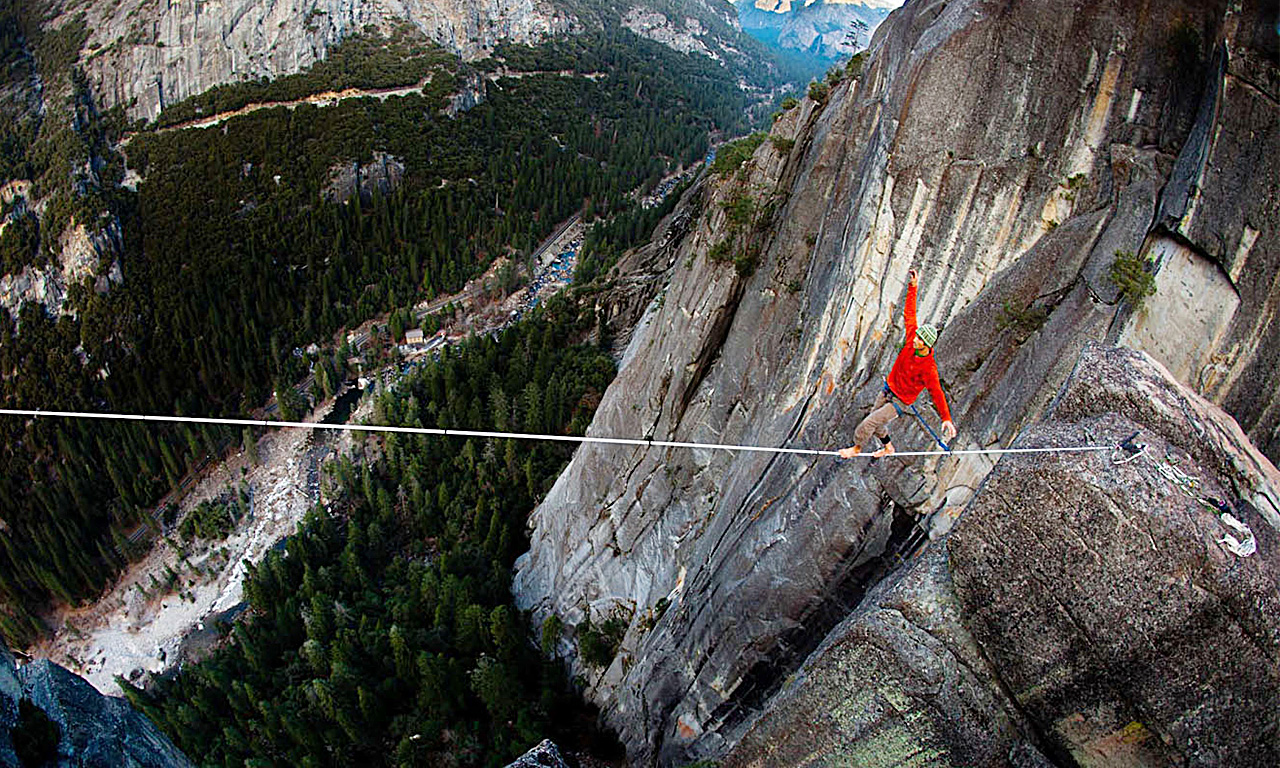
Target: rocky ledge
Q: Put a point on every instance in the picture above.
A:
(1095, 608)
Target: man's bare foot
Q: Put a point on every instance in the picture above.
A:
(887, 450)
(850, 452)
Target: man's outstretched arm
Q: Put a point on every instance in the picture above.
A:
(909, 308)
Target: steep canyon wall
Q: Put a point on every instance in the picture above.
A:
(1007, 150)
(150, 55)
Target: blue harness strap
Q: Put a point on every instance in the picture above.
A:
(893, 400)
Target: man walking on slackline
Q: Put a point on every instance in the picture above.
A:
(913, 371)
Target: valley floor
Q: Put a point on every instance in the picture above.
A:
(146, 625)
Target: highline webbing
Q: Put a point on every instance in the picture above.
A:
(631, 441)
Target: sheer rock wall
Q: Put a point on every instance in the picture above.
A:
(147, 56)
(1008, 150)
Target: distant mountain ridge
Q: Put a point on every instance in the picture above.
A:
(783, 6)
(814, 34)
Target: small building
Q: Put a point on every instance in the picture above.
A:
(414, 336)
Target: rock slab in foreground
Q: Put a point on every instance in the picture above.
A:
(1082, 613)
(96, 730)
(1101, 593)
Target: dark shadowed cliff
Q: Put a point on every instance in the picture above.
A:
(49, 716)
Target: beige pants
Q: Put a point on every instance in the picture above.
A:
(877, 422)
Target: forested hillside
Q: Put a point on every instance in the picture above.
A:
(232, 256)
(384, 633)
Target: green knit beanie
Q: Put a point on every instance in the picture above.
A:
(928, 334)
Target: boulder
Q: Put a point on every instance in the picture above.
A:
(900, 682)
(380, 176)
(1105, 594)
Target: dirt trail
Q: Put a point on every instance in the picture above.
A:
(323, 99)
(329, 98)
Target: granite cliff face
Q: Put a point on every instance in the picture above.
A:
(81, 254)
(1009, 151)
(147, 55)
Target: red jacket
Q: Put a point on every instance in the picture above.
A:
(911, 372)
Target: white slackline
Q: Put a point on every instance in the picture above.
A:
(523, 435)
